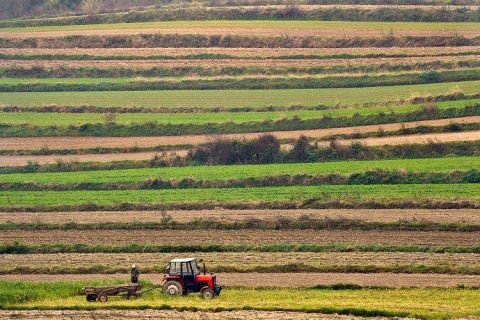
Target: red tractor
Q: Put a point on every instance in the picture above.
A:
(183, 276)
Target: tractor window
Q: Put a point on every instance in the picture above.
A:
(196, 269)
(186, 269)
(174, 268)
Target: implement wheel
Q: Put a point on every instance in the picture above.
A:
(91, 297)
(102, 297)
(172, 288)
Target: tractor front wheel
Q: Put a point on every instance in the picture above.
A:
(208, 293)
(172, 288)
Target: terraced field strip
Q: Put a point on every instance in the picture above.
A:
(259, 28)
(245, 171)
(236, 98)
(471, 216)
(297, 194)
(236, 237)
(448, 263)
(228, 53)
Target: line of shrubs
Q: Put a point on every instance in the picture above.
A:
(234, 41)
(369, 177)
(315, 204)
(17, 247)
(255, 83)
(220, 56)
(94, 72)
(288, 12)
(152, 128)
(280, 223)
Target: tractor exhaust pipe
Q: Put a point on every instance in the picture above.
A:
(204, 269)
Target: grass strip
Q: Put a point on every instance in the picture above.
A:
(151, 128)
(370, 177)
(356, 195)
(280, 223)
(422, 303)
(237, 83)
(22, 248)
(252, 99)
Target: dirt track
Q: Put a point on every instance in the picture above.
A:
(149, 314)
(381, 215)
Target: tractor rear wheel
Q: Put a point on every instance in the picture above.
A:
(208, 293)
(172, 288)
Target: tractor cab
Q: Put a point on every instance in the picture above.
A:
(183, 276)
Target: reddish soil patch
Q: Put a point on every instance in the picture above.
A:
(352, 237)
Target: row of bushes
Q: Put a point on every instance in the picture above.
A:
(221, 56)
(361, 178)
(254, 83)
(22, 248)
(289, 12)
(94, 72)
(279, 223)
(156, 129)
(234, 41)
(314, 204)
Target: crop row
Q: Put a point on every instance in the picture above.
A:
(238, 83)
(227, 173)
(413, 195)
(22, 248)
(291, 12)
(251, 99)
(370, 177)
(151, 128)
(234, 41)
(234, 70)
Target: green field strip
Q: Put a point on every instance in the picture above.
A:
(252, 26)
(77, 119)
(237, 98)
(297, 194)
(245, 171)
(421, 303)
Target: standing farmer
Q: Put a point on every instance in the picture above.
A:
(134, 274)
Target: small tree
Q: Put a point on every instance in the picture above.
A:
(91, 8)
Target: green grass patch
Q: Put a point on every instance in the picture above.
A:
(237, 98)
(245, 171)
(294, 195)
(424, 303)
(77, 119)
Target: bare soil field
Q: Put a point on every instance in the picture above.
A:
(238, 52)
(156, 261)
(149, 314)
(397, 280)
(350, 237)
(212, 63)
(471, 216)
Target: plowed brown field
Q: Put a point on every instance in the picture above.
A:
(388, 215)
(349, 237)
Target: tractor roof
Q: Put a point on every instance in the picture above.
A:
(183, 260)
